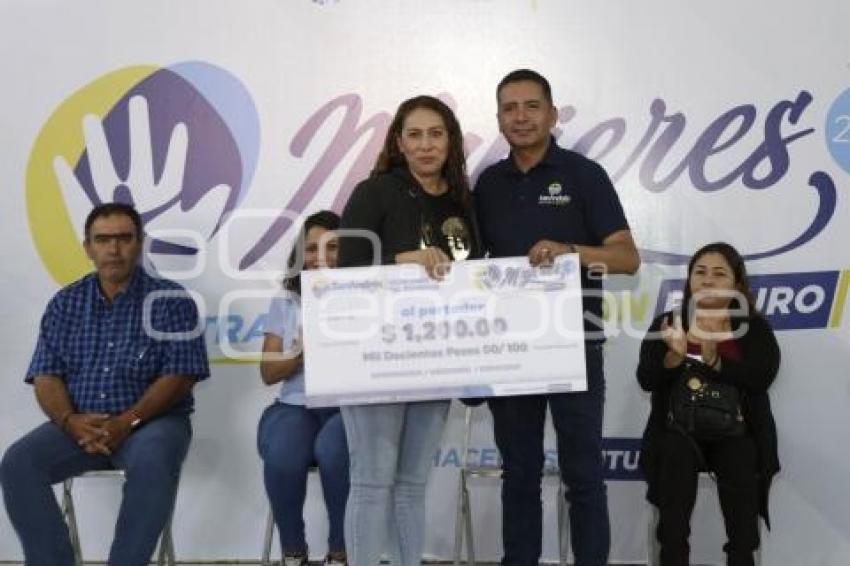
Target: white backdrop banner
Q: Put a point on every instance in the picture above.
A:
(225, 121)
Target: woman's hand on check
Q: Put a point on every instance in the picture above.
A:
(434, 260)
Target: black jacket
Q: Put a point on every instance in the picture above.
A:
(753, 374)
(388, 205)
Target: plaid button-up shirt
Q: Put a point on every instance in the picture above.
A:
(102, 350)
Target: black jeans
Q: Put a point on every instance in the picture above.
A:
(734, 461)
(577, 418)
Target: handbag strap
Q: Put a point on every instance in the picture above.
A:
(701, 461)
(690, 364)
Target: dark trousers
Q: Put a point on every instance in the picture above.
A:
(518, 427)
(151, 458)
(734, 461)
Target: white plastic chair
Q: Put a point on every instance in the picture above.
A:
(165, 555)
(268, 539)
(464, 520)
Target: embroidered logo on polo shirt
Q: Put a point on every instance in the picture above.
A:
(554, 198)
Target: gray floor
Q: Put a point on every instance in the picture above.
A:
(246, 562)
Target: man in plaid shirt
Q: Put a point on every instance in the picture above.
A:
(117, 356)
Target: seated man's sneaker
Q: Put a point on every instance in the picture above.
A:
(295, 559)
(336, 559)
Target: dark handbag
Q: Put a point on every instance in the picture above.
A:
(704, 407)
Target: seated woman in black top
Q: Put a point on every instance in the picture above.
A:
(718, 327)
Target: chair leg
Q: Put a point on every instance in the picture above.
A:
(71, 520)
(166, 545)
(470, 542)
(563, 527)
(267, 541)
(165, 555)
(652, 546)
(459, 519)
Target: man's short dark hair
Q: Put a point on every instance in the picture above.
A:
(526, 75)
(112, 208)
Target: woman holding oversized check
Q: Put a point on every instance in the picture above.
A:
(292, 437)
(418, 204)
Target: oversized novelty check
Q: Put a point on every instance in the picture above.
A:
(492, 327)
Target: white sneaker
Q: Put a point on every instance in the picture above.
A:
(295, 560)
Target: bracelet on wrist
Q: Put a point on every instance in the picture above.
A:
(63, 421)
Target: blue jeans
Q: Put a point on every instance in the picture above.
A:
(151, 458)
(392, 453)
(290, 439)
(518, 428)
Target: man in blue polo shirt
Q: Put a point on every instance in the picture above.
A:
(117, 355)
(543, 201)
